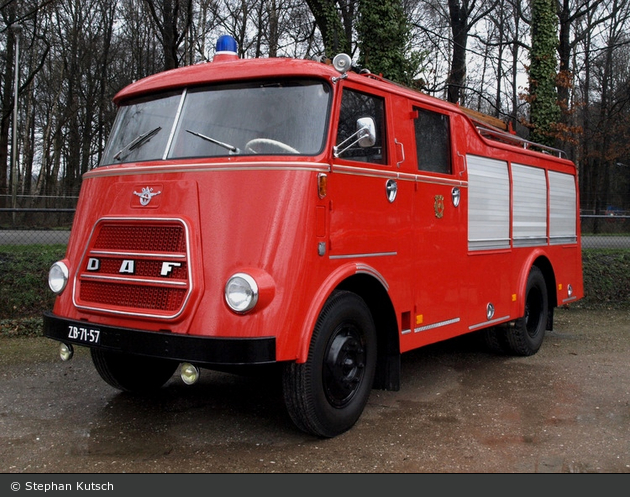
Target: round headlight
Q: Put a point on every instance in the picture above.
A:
(58, 277)
(241, 292)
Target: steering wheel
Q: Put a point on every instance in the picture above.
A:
(268, 141)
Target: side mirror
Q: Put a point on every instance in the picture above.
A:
(366, 130)
(364, 136)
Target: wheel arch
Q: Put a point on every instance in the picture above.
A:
(377, 299)
(372, 288)
(542, 262)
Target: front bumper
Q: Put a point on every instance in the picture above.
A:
(210, 351)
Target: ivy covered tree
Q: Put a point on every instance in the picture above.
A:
(543, 94)
(384, 31)
(334, 21)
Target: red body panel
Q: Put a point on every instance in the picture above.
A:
(264, 216)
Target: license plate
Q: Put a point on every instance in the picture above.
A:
(84, 334)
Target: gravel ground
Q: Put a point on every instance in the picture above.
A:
(460, 409)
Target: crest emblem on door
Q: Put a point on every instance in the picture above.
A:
(438, 205)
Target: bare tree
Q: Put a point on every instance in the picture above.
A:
(605, 91)
(463, 16)
(172, 20)
(77, 54)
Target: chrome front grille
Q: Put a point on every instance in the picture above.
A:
(135, 267)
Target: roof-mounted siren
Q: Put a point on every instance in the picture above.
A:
(342, 63)
(225, 49)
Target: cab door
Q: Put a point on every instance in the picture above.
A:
(362, 216)
(440, 225)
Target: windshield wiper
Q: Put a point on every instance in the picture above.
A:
(137, 142)
(227, 146)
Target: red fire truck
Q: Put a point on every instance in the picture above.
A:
(305, 215)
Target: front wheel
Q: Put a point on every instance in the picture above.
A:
(326, 395)
(131, 373)
(526, 336)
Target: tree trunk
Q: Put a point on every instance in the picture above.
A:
(459, 29)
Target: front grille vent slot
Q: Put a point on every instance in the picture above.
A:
(141, 238)
(135, 267)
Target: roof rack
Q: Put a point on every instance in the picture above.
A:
(484, 119)
(517, 140)
(489, 126)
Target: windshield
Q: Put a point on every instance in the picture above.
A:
(286, 117)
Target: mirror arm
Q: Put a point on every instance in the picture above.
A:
(358, 133)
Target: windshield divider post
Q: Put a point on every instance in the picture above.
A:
(171, 136)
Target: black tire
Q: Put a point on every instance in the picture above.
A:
(495, 339)
(131, 373)
(326, 395)
(528, 332)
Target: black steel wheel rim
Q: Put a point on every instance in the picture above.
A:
(533, 310)
(344, 365)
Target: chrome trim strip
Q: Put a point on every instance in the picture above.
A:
(164, 283)
(364, 171)
(351, 256)
(207, 167)
(138, 314)
(569, 299)
(436, 325)
(405, 332)
(138, 254)
(421, 178)
(380, 173)
(271, 166)
(365, 269)
(486, 323)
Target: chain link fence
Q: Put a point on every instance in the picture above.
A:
(51, 225)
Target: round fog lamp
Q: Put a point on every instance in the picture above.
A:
(58, 277)
(66, 351)
(241, 292)
(189, 373)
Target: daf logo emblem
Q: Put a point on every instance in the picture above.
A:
(146, 195)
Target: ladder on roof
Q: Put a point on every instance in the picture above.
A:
(496, 129)
(517, 140)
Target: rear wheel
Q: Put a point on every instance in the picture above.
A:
(132, 373)
(527, 335)
(326, 395)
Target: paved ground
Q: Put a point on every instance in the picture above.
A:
(460, 409)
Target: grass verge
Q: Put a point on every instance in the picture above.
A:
(24, 293)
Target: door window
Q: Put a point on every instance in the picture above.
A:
(355, 106)
(433, 144)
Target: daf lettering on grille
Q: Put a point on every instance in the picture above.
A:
(146, 195)
(128, 266)
(93, 264)
(167, 267)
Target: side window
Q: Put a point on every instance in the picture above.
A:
(354, 106)
(433, 143)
